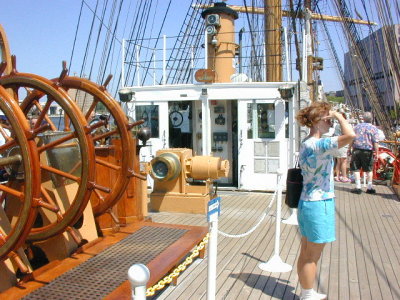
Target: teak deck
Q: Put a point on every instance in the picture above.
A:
(364, 262)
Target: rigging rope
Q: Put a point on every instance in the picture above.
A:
(189, 31)
(375, 97)
(157, 40)
(75, 37)
(85, 57)
(97, 41)
(334, 53)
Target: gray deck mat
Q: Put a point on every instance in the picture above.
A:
(100, 275)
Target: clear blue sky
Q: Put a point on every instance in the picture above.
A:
(41, 34)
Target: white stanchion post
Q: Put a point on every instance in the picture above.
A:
(292, 220)
(212, 260)
(275, 264)
(138, 275)
(365, 179)
(212, 217)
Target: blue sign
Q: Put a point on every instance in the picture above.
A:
(214, 209)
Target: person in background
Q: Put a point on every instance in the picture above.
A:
(363, 147)
(381, 134)
(316, 210)
(5, 134)
(341, 156)
(33, 117)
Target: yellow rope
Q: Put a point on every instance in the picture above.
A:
(168, 279)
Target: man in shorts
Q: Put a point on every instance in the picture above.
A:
(364, 145)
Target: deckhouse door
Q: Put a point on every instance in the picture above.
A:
(261, 142)
(155, 116)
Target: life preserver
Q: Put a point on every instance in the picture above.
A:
(384, 164)
(396, 171)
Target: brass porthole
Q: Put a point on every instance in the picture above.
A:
(165, 167)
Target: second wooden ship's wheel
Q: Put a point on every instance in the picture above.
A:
(19, 178)
(66, 151)
(114, 135)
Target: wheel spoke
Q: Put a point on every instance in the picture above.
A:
(50, 201)
(96, 125)
(7, 145)
(5, 135)
(107, 164)
(105, 135)
(43, 114)
(137, 123)
(2, 238)
(40, 129)
(99, 196)
(41, 203)
(57, 142)
(11, 191)
(76, 167)
(47, 197)
(18, 261)
(91, 109)
(113, 216)
(61, 173)
(15, 93)
(74, 236)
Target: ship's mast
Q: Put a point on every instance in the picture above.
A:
(273, 35)
(309, 80)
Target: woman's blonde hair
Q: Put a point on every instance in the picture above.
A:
(313, 113)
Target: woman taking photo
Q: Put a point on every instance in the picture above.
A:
(316, 210)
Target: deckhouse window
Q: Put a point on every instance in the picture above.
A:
(149, 113)
(261, 120)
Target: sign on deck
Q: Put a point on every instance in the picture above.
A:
(214, 209)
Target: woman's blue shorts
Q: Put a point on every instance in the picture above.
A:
(317, 220)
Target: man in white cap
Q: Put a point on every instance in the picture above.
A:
(364, 145)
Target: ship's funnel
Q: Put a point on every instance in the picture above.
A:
(220, 30)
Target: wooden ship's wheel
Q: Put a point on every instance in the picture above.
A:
(19, 178)
(5, 54)
(51, 163)
(114, 136)
(66, 151)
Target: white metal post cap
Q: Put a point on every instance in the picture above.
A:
(138, 275)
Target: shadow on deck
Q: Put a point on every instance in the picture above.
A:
(363, 263)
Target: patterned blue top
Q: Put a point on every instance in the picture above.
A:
(366, 135)
(316, 163)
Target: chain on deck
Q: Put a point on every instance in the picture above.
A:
(100, 275)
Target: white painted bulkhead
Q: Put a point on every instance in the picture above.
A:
(247, 123)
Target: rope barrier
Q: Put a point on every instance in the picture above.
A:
(259, 221)
(168, 279)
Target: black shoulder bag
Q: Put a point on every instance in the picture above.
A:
(294, 185)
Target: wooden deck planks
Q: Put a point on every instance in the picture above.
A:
(385, 271)
(343, 259)
(353, 288)
(230, 263)
(363, 263)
